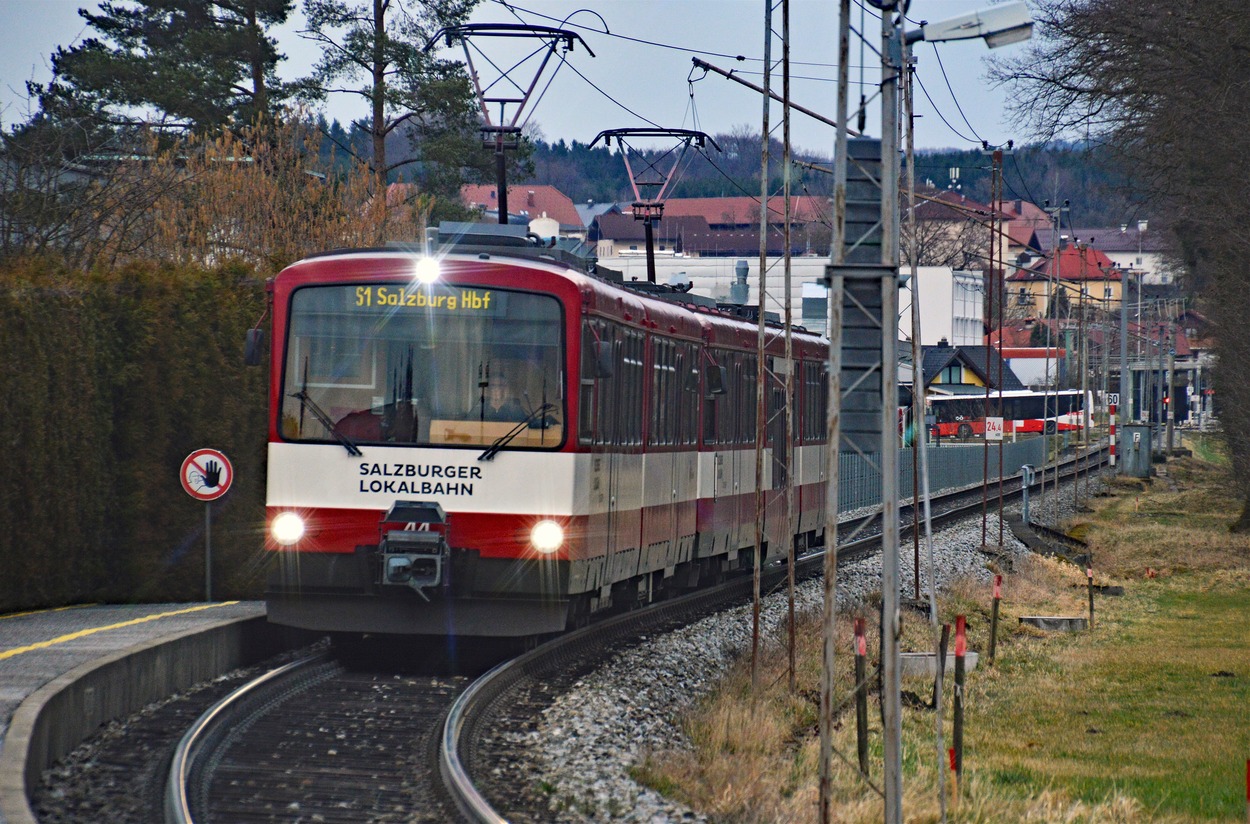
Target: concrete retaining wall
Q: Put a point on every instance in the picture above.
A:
(63, 713)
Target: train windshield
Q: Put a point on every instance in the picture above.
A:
(443, 365)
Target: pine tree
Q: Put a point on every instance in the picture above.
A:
(194, 65)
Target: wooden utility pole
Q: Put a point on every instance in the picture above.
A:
(788, 315)
(761, 364)
(833, 423)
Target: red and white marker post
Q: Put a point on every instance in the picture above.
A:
(998, 596)
(961, 649)
(1110, 410)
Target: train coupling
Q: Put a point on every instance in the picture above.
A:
(414, 546)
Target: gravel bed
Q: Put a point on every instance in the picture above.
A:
(584, 743)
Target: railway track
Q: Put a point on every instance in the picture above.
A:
(317, 741)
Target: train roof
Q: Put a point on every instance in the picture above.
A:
(673, 307)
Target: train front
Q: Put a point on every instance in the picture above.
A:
(418, 480)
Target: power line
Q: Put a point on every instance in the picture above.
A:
(938, 55)
(941, 116)
(514, 9)
(591, 83)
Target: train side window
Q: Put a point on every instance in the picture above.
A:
(687, 358)
(609, 390)
(751, 363)
(634, 383)
(587, 385)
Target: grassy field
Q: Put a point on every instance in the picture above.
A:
(1144, 718)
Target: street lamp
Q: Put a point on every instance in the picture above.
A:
(998, 26)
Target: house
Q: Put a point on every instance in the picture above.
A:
(951, 230)
(1130, 247)
(616, 234)
(1078, 275)
(951, 306)
(966, 370)
(529, 201)
(732, 226)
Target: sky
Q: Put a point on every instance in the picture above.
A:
(641, 72)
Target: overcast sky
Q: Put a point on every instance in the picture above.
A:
(644, 80)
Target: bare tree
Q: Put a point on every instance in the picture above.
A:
(1161, 84)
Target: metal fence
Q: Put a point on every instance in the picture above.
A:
(950, 466)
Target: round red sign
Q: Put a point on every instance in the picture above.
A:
(206, 474)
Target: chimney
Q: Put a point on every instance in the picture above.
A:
(944, 343)
(529, 199)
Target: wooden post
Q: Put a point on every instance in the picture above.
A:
(998, 596)
(961, 648)
(1089, 576)
(861, 695)
(941, 664)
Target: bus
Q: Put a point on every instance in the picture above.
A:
(963, 416)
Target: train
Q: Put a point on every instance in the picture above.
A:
(485, 434)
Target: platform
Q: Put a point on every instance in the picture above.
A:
(47, 649)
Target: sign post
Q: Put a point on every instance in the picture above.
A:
(206, 475)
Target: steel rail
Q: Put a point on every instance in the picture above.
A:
(177, 799)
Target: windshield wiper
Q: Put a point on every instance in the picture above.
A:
(324, 420)
(510, 435)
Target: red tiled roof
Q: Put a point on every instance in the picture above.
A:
(950, 205)
(1032, 352)
(740, 211)
(1022, 234)
(1025, 212)
(615, 226)
(530, 199)
(1072, 263)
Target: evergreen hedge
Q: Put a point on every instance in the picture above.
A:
(108, 382)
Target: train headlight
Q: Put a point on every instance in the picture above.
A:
(287, 528)
(547, 536)
(427, 270)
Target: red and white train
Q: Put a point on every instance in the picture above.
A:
(495, 440)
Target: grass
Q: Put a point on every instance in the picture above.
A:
(1143, 719)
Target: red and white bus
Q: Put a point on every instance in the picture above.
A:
(963, 416)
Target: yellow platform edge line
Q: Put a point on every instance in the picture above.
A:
(42, 611)
(82, 633)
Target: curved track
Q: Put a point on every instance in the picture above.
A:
(317, 741)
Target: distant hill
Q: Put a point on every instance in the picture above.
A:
(1098, 195)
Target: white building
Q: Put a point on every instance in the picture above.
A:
(950, 305)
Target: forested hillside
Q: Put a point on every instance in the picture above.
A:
(1096, 191)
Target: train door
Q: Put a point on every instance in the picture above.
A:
(775, 434)
(611, 361)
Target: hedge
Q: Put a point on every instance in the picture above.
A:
(109, 380)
